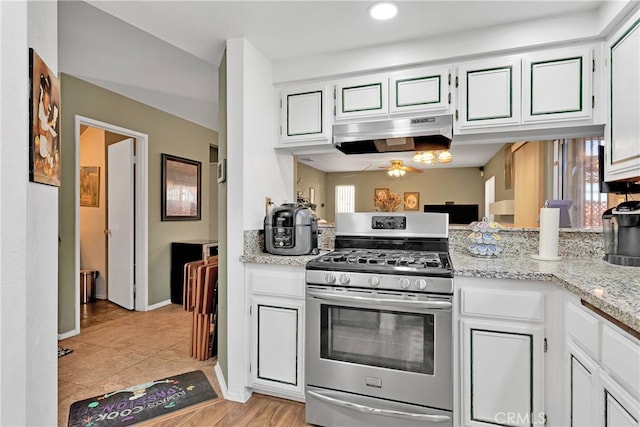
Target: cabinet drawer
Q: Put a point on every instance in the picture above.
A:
(506, 304)
(276, 280)
(621, 357)
(583, 328)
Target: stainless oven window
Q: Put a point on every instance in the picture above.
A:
(381, 338)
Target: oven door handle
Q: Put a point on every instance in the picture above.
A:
(378, 411)
(431, 305)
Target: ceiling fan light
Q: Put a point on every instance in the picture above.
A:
(383, 11)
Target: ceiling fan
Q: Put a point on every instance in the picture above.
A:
(397, 169)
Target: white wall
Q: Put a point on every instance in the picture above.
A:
(28, 230)
(93, 219)
(254, 171)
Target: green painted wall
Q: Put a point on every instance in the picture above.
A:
(222, 222)
(167, 134)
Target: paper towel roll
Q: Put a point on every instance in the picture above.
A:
(549, 226)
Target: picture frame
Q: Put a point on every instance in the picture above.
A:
(221, 171)
(181, 189)
(44, 123)
(411, 201)
(90, 186)
(380, 193)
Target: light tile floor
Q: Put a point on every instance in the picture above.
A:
(118, 348)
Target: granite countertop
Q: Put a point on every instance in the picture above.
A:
(611, 288)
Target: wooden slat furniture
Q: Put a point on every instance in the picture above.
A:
(199, 297)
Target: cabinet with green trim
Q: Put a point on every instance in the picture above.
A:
(488, 93)
(557, 85)
(305, 115)
(425, 89)
(623, 135)
(362, 97)
(501, 339)
(276, 315)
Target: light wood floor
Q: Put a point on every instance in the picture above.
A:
(118, 348)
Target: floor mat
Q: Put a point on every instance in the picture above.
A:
(142, 402)
(63, 351)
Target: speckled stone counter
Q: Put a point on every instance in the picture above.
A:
(611, 288)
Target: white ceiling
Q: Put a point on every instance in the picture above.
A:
(292, 29)
(286, 30)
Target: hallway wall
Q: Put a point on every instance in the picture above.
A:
(167, 134)
(93, 219)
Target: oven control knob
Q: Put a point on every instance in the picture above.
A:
(374, 281)
(344, 279)
(329, 278)
(404, 283)
(421, 284)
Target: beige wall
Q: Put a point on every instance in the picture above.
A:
(308, 177)
(496, 167)
(93, 219)
(436, 186)
(167, 134)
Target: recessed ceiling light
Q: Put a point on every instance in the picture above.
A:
(383, 11)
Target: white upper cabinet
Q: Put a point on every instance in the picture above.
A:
(622, 159)
(362, 97)
(420, 90)
(488, 93)
(556, 85)
(304, 113)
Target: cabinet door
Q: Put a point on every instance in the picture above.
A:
(620, 409)
(421, 90)
(556, 85)
(623, 149)
(489, 93)
(362, 97)
(502, 373)
(304, 114)
(582, 373)
(277, 329)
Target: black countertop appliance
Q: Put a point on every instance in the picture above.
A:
(291, 229)
(621, 230)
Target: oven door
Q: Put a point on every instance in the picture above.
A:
(383, 344)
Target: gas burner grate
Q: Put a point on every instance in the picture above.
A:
(415, 260)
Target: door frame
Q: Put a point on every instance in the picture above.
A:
(141, 208)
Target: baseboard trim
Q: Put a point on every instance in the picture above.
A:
(69, 334)
(159, 305)
(226, 394)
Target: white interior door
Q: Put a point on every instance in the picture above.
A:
(489, 196)
(120, 191)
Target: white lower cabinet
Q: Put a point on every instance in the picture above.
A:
(277, 330)
(501, 345)
(601, 368)
(502, 371)
(583, 380)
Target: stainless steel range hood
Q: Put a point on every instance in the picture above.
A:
(384, 136)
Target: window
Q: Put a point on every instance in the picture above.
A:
(581, 183)
(345, 198)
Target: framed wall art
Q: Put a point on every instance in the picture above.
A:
(181, 189)
(44, 123)
(90, 186)
(411, 201)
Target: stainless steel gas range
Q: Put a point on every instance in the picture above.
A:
(379, 323)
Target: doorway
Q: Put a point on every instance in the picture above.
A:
(139, 208)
